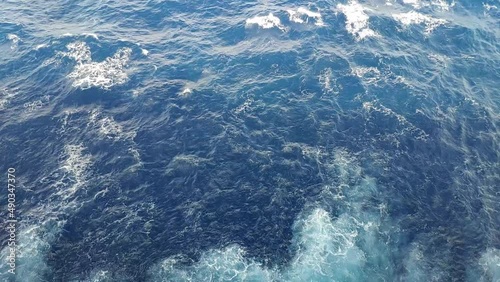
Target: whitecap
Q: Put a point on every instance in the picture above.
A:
(303, 15)
(186, 92)
(14, 39)
(5, 97)
(356, 20)
(40, 46)
(413, 17)
(266, 22)
(247, 105)
(93, 35)
(78, 51)
(105, 74)
(488, 7)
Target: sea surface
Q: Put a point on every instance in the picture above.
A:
(251, 140)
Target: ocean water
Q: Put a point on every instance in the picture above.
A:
(251, 140)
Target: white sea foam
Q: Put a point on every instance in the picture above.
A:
(488, 7)
(144, 52)
(415, 3)
(247, 105)
(307, 151)
(135, 153)
(110, 128)
(40, 46)
(33, 244)
(266, 22)
(407, 126)
(326, 248)
(42, 224)
(77, 164)
(325, 79)
(414, 265)
(99, 276)
(78, 51)
(303, 15)
(186, 92)
(93, 35)
(228, 264)
(14, 39)
(413, 17)
(107, 127)
(356, 20)
(5, 97)
(36, 104)
(443, 5)
(489, 263)
(369, 75)
(440, 4)
(105, 74)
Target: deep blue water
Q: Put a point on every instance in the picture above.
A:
(251, 141)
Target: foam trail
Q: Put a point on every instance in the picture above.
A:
(33, 245)
(228, 264)
(43, 224)
(327, 248)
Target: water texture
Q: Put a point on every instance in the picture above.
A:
(252, 140)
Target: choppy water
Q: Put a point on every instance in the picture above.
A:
(252, 141)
